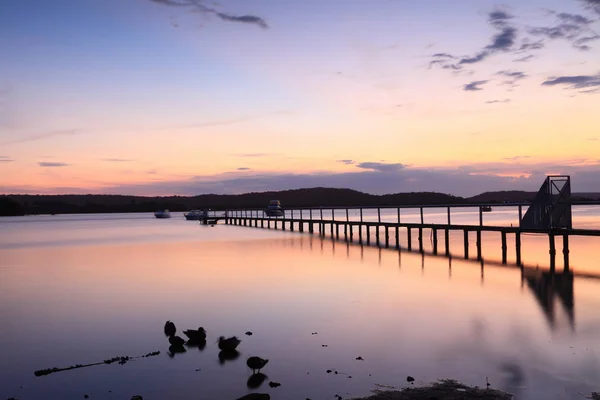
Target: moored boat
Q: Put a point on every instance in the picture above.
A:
(162, 214)
(274, 209)
(194, 215)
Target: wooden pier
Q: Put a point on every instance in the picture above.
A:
(327, 221)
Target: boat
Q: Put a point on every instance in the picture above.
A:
(486, 208)
(162, 214)
(274, 209)
(194, 215)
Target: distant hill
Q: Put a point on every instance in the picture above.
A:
(311, 197)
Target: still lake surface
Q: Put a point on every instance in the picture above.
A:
(79, 289)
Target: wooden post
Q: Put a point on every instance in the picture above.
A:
(337, 231)
(361, 217)
(435, 240)
(310, 214)
(478, 244)
(368, 234)
(422, 218)
(552, 251)
(480, 216)
(447, 239)
(566, 252)
(351, 234)
(346, 231)
(520, 214)
(397, 236)
(448, 216)
(377, 234)
(360, 233)
(331, 230)
(466, 237)
(333, 214)
(275, 223)
(518, 247)
(262, 223)
(420, 239)
(387, 236)
(292, 221)
(378, 215)
(503, 247)
(321, 210)
(398, 214)
(409, 238)
(347, 216)
(311, 228)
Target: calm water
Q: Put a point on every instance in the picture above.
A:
(81, 289)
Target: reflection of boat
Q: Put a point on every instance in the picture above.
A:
(274, 209)
(194, 215)
(162, 214)
(486, 208)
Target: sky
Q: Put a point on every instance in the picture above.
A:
(186, 97)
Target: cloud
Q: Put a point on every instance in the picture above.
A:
(252, 155)
(498, 101)
(198, 6)
(243, 169)
(575, 82)
(474, 86)
(41, 136)
(117, 159)
(527, 45)
(525, 59)
(570, 27)
(6, 159)
(52, 164)
(593, 5)
(247, 19)
(513, 76)
(347, 162)
(381, 167)
(500, 42)
(464, 180)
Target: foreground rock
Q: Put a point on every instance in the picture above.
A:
(442, 390)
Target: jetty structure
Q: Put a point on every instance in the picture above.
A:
(549, 214)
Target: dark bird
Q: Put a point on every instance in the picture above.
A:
(410, 379)
(170, 328)
(256, 363)
(255, 396)
(195, 335)
(175, 350)
(176, 341)
(229, 344)
(256, 380)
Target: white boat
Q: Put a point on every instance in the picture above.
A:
(162, 214)
(194, 215)
(274, 209)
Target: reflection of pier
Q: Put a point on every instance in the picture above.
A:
(549, 288)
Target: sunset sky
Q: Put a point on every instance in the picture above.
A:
(161, 97)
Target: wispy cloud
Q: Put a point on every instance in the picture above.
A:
(525, 59)
(42, 136)
(593, 5)
(570, 27)
(347, 162)
(474, 86)
(575, 82)
(243, 169)
(381, 167)
(6, 159)
(199, 6)
(512, 76)
(497, 101)
(52, 164)
(252, 155)
(503, 41)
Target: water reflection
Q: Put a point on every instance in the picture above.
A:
(256, 380)
(550, 288)
(228, 355)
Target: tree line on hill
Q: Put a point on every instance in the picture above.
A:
(314, 197)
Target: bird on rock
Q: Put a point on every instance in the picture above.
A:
(256, 363)
(229, 344)
(170, 328)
